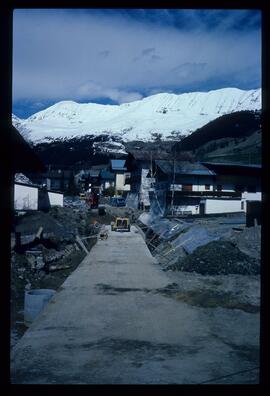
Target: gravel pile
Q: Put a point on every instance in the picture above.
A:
(218, 258)
(248, 241)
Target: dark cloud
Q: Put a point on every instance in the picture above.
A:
(205, 19)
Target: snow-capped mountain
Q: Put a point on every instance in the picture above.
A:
(19, 124)
(164, 113)
(21, 178)
(109, 147)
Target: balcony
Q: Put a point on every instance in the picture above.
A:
(212, 194)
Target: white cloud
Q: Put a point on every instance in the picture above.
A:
(92, 90)
(78, 56)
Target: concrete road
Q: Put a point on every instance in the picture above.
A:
(112, 322)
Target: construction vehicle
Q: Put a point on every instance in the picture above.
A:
(82, 196)
(121, 224)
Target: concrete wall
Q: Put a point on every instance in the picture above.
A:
(222, 206)
(119, 181)
(127, 187)
(25, 197)
(56, 199)
(33, 198)
(252, 196)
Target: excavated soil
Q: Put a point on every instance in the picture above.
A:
(217, 258)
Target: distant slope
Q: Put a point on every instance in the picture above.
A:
(164, 113)
(234, 137)
(245, 150)
(238, 124)
(76, 153)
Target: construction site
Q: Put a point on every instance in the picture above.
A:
(152, 305)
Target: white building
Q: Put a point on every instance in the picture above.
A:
(121, 176)
(32, 197)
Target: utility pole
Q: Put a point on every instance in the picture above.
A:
(172, 199)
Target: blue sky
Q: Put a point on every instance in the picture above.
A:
(121, 55)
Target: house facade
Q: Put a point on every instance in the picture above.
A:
(27, 195)
(244, 179)
(54, 179)
(121, 176)
(184, 188)
(107, 179)
(141, 180)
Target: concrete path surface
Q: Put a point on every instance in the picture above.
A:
(111, 322)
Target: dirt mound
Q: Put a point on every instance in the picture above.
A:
(218, 258)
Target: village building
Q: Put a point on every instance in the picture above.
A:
(97, 178)
(107, 180)
(27, 195)
(190, 188)
(140, 165)
(54, 179)
(242, 178)
(121, 176)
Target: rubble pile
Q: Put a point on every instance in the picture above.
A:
(248, 241)
(208, 246)
(47, 253)
(218, 258)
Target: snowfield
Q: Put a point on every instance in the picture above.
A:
(163, 113)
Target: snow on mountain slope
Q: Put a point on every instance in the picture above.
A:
(162, 113)
(19, 124)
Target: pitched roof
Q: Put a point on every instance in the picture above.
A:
(184, 168)
(229, 168)
(100, 166)
(118, 164)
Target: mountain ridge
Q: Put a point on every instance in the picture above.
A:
(167, 114)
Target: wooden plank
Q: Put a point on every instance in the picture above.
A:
(89, 237)
(53, 268)
(38, 234)
(78, 239)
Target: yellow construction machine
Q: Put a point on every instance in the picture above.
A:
(121, 224)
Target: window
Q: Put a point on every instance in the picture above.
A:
(207, 186)
(219, 187)
(186, 187)
(251, 189)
